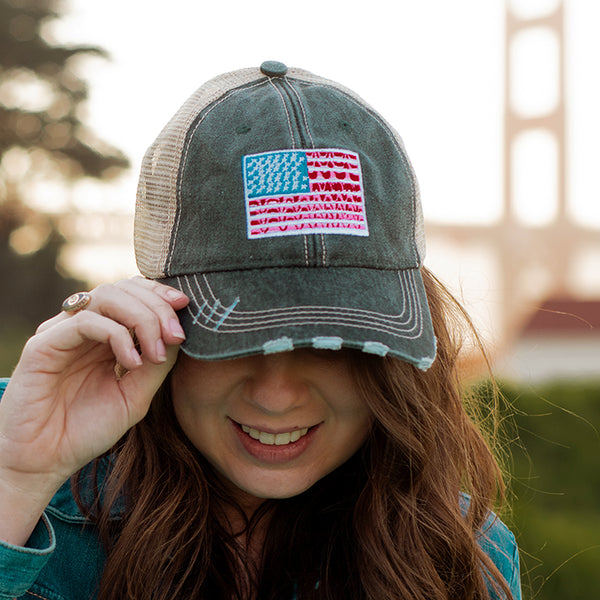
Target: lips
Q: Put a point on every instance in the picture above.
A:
(275, 448)
(275, 439)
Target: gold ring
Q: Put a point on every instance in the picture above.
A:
(76, 302)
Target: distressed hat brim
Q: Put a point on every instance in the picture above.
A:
(260, 311)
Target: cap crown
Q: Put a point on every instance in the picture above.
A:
(192, 211)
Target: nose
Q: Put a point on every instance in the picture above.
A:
(276, 384)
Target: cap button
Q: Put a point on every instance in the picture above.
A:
(273, 68)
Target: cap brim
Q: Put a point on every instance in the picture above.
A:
(240, 313)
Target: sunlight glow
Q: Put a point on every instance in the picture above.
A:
(535, 166)
(535, 65)
(26, 91)
(533, 9)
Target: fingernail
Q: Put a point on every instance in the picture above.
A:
(176, 329)
(161, 351)
(173, 294)
(136, 357)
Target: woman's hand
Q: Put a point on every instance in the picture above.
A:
(65, 405)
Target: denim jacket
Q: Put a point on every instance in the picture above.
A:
(63, 559)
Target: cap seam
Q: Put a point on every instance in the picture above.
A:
(383, 123)
(226, 267)
(152, 242)
(304, 116)
(287, 114)
(183, 161)
(312, 141)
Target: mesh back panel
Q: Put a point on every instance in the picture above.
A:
(156, 204)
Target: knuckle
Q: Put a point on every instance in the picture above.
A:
(158, 289)
(102, 288)
(126, 281)
(32, 344)
(81, 317)
(148, 320)
(45, 325)
(121, 334)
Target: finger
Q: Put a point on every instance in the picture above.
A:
(153, 325)
(57, 343)
(176, 298)
(163, 301)
(149, 311)
(50, 323)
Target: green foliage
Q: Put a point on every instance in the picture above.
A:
(555, 488)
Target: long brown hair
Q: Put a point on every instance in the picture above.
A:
(386, 525)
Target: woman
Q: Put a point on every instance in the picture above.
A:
(309, 441)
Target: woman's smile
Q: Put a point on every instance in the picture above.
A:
(275, 447)
(277, 439)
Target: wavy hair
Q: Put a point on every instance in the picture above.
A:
(387, 524)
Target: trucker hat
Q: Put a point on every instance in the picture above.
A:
(287, 210)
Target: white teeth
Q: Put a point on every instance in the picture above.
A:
(281, 439)
(272, 439)
(266, 438)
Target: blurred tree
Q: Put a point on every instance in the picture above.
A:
(43, 145)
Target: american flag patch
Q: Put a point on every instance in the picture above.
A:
(297, 192)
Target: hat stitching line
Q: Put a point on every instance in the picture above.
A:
(306, 261)
(312, 141)
(322, 309)
(357, 324)
(399, 147)
(213, 311)
(184, 155)
(409, 283)
(402, 318)
(305, 312)
(188, 114)
(304, 237)
(413, 332)
(317, 320)
(304, 117)
(287, 114)
(415, 319)
(404, 334)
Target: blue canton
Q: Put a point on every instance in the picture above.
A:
(276, 173)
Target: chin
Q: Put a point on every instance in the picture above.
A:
(276, 490)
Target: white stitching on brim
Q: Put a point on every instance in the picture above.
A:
(229, 322)
(240, 315)
(408, 325)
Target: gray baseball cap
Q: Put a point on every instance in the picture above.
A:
(287, 210)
